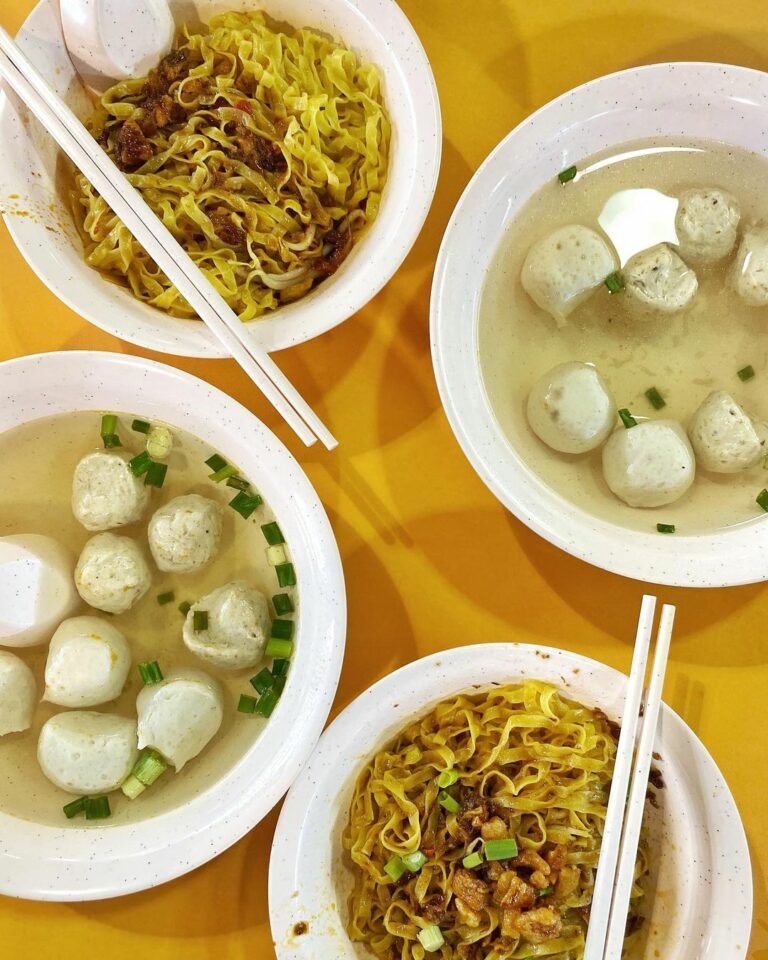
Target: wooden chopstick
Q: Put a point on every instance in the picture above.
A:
(151, 233)
(637, 793)
(602, 894)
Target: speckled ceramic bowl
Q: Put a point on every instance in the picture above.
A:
(81, 863)
(378, 30)
(700, 897)
(701, 100)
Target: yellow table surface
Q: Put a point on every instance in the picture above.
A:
(432, 560)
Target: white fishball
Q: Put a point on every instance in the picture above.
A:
(18, 693)
(184, 534)
(112, 574)
(179, 716)
(707, 224)
(749, 275)
(659, 280)
(238, 626)
(723, 436)
(563, 269)
(649, 465)
(105, 493)
(571, 408)
(88, 663)
(85, 752)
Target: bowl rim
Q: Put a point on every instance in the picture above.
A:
(42, 862)
(410, 692)
(336, 301)
(717, 559)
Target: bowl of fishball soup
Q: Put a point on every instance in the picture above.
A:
(172, 597)
(599, 323)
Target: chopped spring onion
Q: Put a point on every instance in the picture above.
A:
(286, 575)
(279, 685)
(245, 504)
(163, 598)
(614, 282)
(267, 703)
(155, 475)
(159, 442)
(74, 808)
(184, 607)
(280, 668)
(472, 861)
(140, 463)
(108, 424)
(112, 440)
(746, 373)
(97, 808)
(762, 499)
(200, 621)
(281, 649)
(565, 176)
(215, 462)
(276, 555)
(282, 604)
(272, 534)
(246, 704)
(132, 787)
(282, 630)
(414, 861)
(626, 418)
(545, 891)
(150, 672)
(447, 778)
(230, 470)
(238, 483)
(262, 681)
(447, 802)
(394, 868)
(431, 938)
(665, 527)
(655, 398)
(141, 426)
(500, 849)
(149, 767)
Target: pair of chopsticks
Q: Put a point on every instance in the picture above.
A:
(127, 203)
(621, 834)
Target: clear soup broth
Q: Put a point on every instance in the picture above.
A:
(684, 355)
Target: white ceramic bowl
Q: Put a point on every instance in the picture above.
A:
(48, 863)
(378, 30)
(703, 100)
(702, 901)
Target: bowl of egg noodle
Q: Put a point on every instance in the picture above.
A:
(291, 148)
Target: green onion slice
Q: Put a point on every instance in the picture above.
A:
(272, 534)
(74, 808)
(200, 621)
(395, 868)
(282, 630)
(238, 483)
(149, 767)
(267, 703)
(108, 424)
(500, 849)
(447, 802)
(97, 808)
(184, 607)
(282, 604)
(246, 704)
(216, 462)
(281, 649)
(414, 861)
(155, 475)
(655, 398)
(112, 440)
(245, 504)
(472, 861)
(762, 499)
(665, 527)
(431, 938)
(132, 787)
(227, 471)
(163, 598)
(263, 680)
(565, 176)
(286, 575)
(280, 668)
(141, 426)
(279, 685)
(627, 419)
(140, 463)
(447, 778)
(746, 373)
(150, 672)
(614, 282)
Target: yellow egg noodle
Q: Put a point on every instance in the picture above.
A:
(528, 765)
(264, 151)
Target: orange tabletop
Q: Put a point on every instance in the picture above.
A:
(431, 559)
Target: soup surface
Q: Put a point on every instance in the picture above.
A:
(35, 497)
(684, 355)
